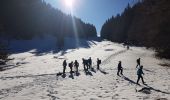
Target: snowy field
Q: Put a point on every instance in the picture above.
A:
(32, 75)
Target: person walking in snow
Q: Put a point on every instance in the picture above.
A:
(128, 47)
(64, 66)
(85, 64)
(98, 63)
(139, 73)
(120, 68)
(71, 67)
(90, 63)
(138, 62)
(76, 65)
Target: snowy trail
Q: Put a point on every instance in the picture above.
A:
(92, 52)
(26, 82)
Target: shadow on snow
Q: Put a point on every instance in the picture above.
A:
(146, 87)
(42, 46)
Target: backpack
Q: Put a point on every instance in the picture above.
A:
(70, 65)
(137, 60)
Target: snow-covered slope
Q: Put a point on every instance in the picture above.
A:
(33, 76)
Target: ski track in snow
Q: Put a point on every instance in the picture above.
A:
(35, 77)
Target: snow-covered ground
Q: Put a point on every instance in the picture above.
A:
(33, 75)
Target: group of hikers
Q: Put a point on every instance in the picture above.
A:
(87, 64)
(139, 68)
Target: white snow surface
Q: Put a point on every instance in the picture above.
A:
(33, 76)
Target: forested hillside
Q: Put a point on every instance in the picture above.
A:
(146, 23)
(24, 19)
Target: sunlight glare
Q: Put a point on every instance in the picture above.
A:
(69, 3)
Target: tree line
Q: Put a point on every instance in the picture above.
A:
(24, 19)
(146, 23)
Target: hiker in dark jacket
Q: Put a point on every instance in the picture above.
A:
(64, 66)
(71, 67)
(98, 63)
(128, 47)
(85, 64)
(90, 63)
(139, 73)
(76, 65)
(120, 68)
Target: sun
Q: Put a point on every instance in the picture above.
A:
(69, 3)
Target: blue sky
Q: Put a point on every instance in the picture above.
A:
(95, 12)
